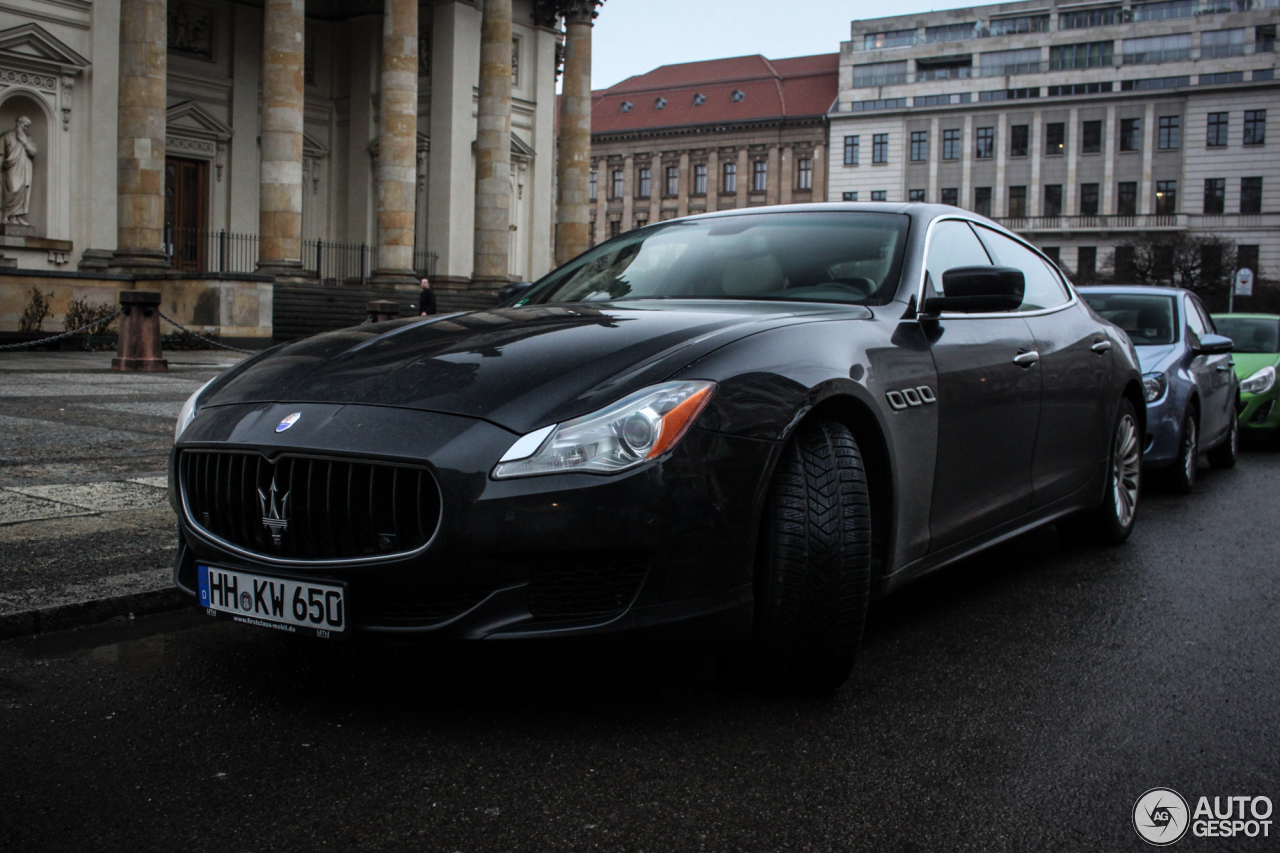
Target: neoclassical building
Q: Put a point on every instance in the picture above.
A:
(712, 135)
(226, 150)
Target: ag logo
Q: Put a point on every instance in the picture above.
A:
(1160, 816)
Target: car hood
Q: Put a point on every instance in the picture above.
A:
(1155, 357)
(1248, 363)
(520, 368)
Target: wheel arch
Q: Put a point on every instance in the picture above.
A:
(1134, 394)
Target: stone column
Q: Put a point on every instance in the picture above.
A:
(1034, 207)
(573, 205)
(773, 177)
(787, 175)
(629, 192)
(657, 186)
(1069, 204)
(1147, 194)
(820, 172)
(493, 150)
(1109, 162)
(966, 168)
(684, 188)
(997, 197)
(280, 203)
(744, 177)
(398, 144)
(141, 137)
(713, 179)
(935, 154)
(603, 178)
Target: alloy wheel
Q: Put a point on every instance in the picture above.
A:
(1126, 470)
(1190, 447)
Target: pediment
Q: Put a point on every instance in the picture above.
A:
(312, 147)
(32, 46)
(191, 120)
(520, 148)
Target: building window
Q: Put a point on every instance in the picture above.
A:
(615, 227)
(1088, 199)
(804, 174)
(1053, 253)
(879, 195)
(1091, 137)
(951, 196)
(729, 184)
(893, 38)
(1251, 195)
(1086, 263)
(951, 144)
(1255, 127)
(851, 150)
(982, 201)
(1165, 10)
(1247, 258)
(916, 195)
(1170, 132)
(1215, 195)
(673, 181)
(1017, 202)
(1022, 24)
(849, 196)
(595, 185)
(1127, 200)
(700, 179)
(759, 176)
(880, 148)
(1123, 261)
(1003, 63)
(641, 223)
(1219, 43)
(643, 185)
(1217, 136)
(950, 32)
(1166, 198)
(986, 143)
(1130, 134)
(616, 189)
(919, 145)
(1142, 51)
(879, 74)
(1019, 136)
(1055, 138)
(1098, 54)
(515, 63)
(1053, 199)
(1089, 18)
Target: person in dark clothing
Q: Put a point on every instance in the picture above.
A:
(427, 300)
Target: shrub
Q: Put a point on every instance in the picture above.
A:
(36, 312)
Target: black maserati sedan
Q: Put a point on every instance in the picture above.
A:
(735, 428)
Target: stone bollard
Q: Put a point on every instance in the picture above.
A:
(382, 309)
(139, 348)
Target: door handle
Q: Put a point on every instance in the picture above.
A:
(1026, 359)
(1100, 346)
(1223, 368)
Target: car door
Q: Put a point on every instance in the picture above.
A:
(1075, 371)
(1213, 375)
(988, 403)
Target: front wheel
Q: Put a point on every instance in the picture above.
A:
(1182, 476)
(1226, 453)
(1112, 522)
(813, 572)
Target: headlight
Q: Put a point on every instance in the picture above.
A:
(637, 428)
(188, 412)
(1260, 381)
(1153, 386)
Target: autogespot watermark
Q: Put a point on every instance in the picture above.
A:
(1162, 817)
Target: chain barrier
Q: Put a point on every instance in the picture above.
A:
(207, 340)
(49, 340)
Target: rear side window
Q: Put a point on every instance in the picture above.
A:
(1147, 319)
(952, 244)
(1043, 289)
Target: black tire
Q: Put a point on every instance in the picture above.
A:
(813, 569)
(1113, 521)
(1226, 453)
(1182, 474)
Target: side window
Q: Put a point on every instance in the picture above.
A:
(1205, 319)
(1195, 321)
(1043, 289)
(952, 244)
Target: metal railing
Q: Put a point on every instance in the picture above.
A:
(199, 251)
(1099, 222)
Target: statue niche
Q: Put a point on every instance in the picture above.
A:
(23, 167)
(17, 160)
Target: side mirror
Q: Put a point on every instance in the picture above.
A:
(1213, 345)
(977, 290)
(510, 293)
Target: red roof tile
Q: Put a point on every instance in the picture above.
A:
(802, 86)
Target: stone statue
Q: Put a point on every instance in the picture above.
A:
(17, 152)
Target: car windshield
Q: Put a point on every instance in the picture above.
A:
(1251, 334)
(845, 257)
(1149, 320)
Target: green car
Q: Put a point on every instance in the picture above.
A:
(1257, 357)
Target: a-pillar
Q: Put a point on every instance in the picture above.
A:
(493, 150)
(573, 164)
(280, 201)
(141, 137)
(397, 145)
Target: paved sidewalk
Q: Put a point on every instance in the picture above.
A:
(86, 530)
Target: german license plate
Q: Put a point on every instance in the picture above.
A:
(286, 604)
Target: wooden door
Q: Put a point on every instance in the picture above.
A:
(186, 205)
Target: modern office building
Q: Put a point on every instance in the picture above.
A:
(1079, 125)
(711, 135)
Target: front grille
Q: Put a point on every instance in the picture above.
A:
(587, 584)
(304, 508)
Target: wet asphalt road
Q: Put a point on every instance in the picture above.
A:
(1020, 701)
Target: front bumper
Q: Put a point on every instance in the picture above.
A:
(1164, 431)
(666, 546)
(1259, 412)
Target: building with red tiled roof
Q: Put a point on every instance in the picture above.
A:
(711, 135)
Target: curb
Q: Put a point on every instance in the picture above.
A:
(78, 614)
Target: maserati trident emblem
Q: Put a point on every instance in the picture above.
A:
(275, 514)
(288, 422)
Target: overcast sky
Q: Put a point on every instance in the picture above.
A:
(635, 36)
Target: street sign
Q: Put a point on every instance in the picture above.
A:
(1244, 282)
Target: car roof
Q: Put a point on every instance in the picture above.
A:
(915, 209)
(1132, 289)
(1241, 316)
